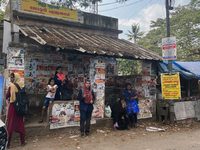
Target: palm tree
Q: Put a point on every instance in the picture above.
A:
(135, 34)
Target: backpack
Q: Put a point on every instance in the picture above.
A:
(65, 93)
(21, 104)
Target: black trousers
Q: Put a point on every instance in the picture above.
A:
(85, 117)
(133, 117)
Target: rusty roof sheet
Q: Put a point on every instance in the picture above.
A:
(92, 44)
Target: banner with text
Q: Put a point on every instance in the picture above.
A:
(171, 86)
(47, 9)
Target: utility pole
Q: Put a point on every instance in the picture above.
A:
(171, 102)
(11, 21)
(168, 32)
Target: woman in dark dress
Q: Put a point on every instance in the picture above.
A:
(14, 122)
(60, 80)
(86, 98)
(120, 116)
(130, 96)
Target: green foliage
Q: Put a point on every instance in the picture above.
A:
(185, 25)
(135, 33)
(130, 67)
(72, 3)
(1, 15)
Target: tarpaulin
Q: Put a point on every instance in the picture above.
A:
(193, 67)
(163, 67)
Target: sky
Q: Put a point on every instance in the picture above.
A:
(140, 12)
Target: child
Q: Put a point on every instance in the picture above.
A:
(51, 89)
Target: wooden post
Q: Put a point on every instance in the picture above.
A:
(188, 88)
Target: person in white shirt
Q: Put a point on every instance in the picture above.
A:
(51, 89)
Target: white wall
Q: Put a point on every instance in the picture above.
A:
(7, 35)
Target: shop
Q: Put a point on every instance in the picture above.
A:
(185, 107)
(86, 46)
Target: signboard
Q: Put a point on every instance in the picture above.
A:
(1, 92)
(169, 48)
(170, 86)
(47, 9)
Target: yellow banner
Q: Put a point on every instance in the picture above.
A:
(171, 86)
(47, 9)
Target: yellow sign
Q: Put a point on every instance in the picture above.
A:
(171, 86)
(47, 9)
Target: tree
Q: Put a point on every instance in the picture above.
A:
(184, 25)
(135, 33)
(72, 3)
(130, 67)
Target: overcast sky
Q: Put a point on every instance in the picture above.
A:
(137, 11)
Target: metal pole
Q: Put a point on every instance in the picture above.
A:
(168, 32)
(11, 21)
(171, 102)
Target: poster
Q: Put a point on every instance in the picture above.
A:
(48, 9)
(42, 70)
(67, 114)
(76, 110)
(169, 48)
(20, 72)
(145, 108)
(1, 92)
(110, 81)
(170, 86)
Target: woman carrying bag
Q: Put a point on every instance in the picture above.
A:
(14, 121)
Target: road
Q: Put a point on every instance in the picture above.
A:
(178, 137)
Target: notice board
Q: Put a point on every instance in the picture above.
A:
(171, 86)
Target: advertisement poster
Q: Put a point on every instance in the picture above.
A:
(42, 70)
(145, 108)
(169, 48)
(76, 110)
(47, 9)
(110, 81)
(170, 86)
(1, 92)
(67, 114)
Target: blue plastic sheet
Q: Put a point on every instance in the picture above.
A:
(163, 67)
(193, 67)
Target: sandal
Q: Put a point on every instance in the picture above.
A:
(41, 121)
(50, 118)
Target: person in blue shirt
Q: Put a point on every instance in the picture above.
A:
(86, 98)
(60, 80)
(130, 95)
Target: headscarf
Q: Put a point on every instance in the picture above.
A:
(87, 92)
(13, 88)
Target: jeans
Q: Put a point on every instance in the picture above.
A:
(85, 117)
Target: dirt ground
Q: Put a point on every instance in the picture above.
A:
(176, 137)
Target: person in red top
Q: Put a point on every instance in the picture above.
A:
(60, 80)
(14, 121)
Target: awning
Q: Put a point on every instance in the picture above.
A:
(87, 43)
(163, 67)
(193, 67)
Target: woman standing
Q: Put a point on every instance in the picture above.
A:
(13, 120)
(130, 96)
(86, 98)
(120, 116)
(60, 80)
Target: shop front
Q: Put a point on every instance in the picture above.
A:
(183, 107)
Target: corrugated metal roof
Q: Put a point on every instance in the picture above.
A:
(92, 44)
